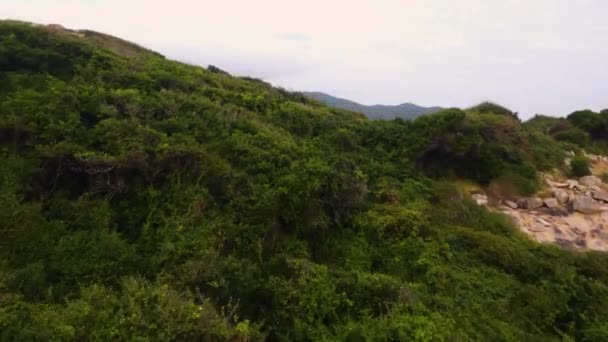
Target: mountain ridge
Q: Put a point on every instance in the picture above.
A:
(406, 110)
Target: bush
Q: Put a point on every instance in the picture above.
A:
(580, 166)
(590, 122)
(492, 108)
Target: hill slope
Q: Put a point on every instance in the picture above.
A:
(404, 110)
(146, 199)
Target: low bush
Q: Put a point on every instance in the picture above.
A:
(580, 166)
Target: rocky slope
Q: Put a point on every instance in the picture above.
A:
(572, 213)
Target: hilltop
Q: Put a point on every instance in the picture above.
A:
(385, 112)
(147, 199)
(116, 45)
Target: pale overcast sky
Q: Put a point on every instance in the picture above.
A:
(533, 56)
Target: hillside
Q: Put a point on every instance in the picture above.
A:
(403, 111)
(146, 199)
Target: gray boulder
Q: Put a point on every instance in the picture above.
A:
(600, 195)
(584, 205)
(511, 204)
(530, 203)
(572, 184)
(550, 202)
(590, 181)
(561, 196)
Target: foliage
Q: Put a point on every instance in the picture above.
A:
(145, 199)
(493, 109)
(580, 166)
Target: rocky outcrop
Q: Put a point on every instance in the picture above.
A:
(572, 213)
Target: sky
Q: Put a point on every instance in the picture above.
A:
(532, 56)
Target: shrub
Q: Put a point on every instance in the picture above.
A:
(579, 166)
(590, 122)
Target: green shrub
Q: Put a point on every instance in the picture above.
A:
(590, 122)
(580, 166)
(491, 108)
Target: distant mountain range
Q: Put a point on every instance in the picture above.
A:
(404, 110)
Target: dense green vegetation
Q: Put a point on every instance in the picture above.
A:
(144, 199)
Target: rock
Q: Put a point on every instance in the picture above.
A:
(584, 205)
(557, 212)
(550, 202)
(572, 184)
(480, 199)
(510, 204)
(561, 196)
(530, 203)
(600, 195)
(577, 231)
(559, 185)
(590, 181)
(581, 242)
(538, 228)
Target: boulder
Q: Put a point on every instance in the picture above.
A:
(600, 195)
(480, 199)
(590, 181)
(511, 204)
(550, 202)
(572, 183)
(561, 196)
(559, 185)
(584, 205)
(530, 203)
(558, 212)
